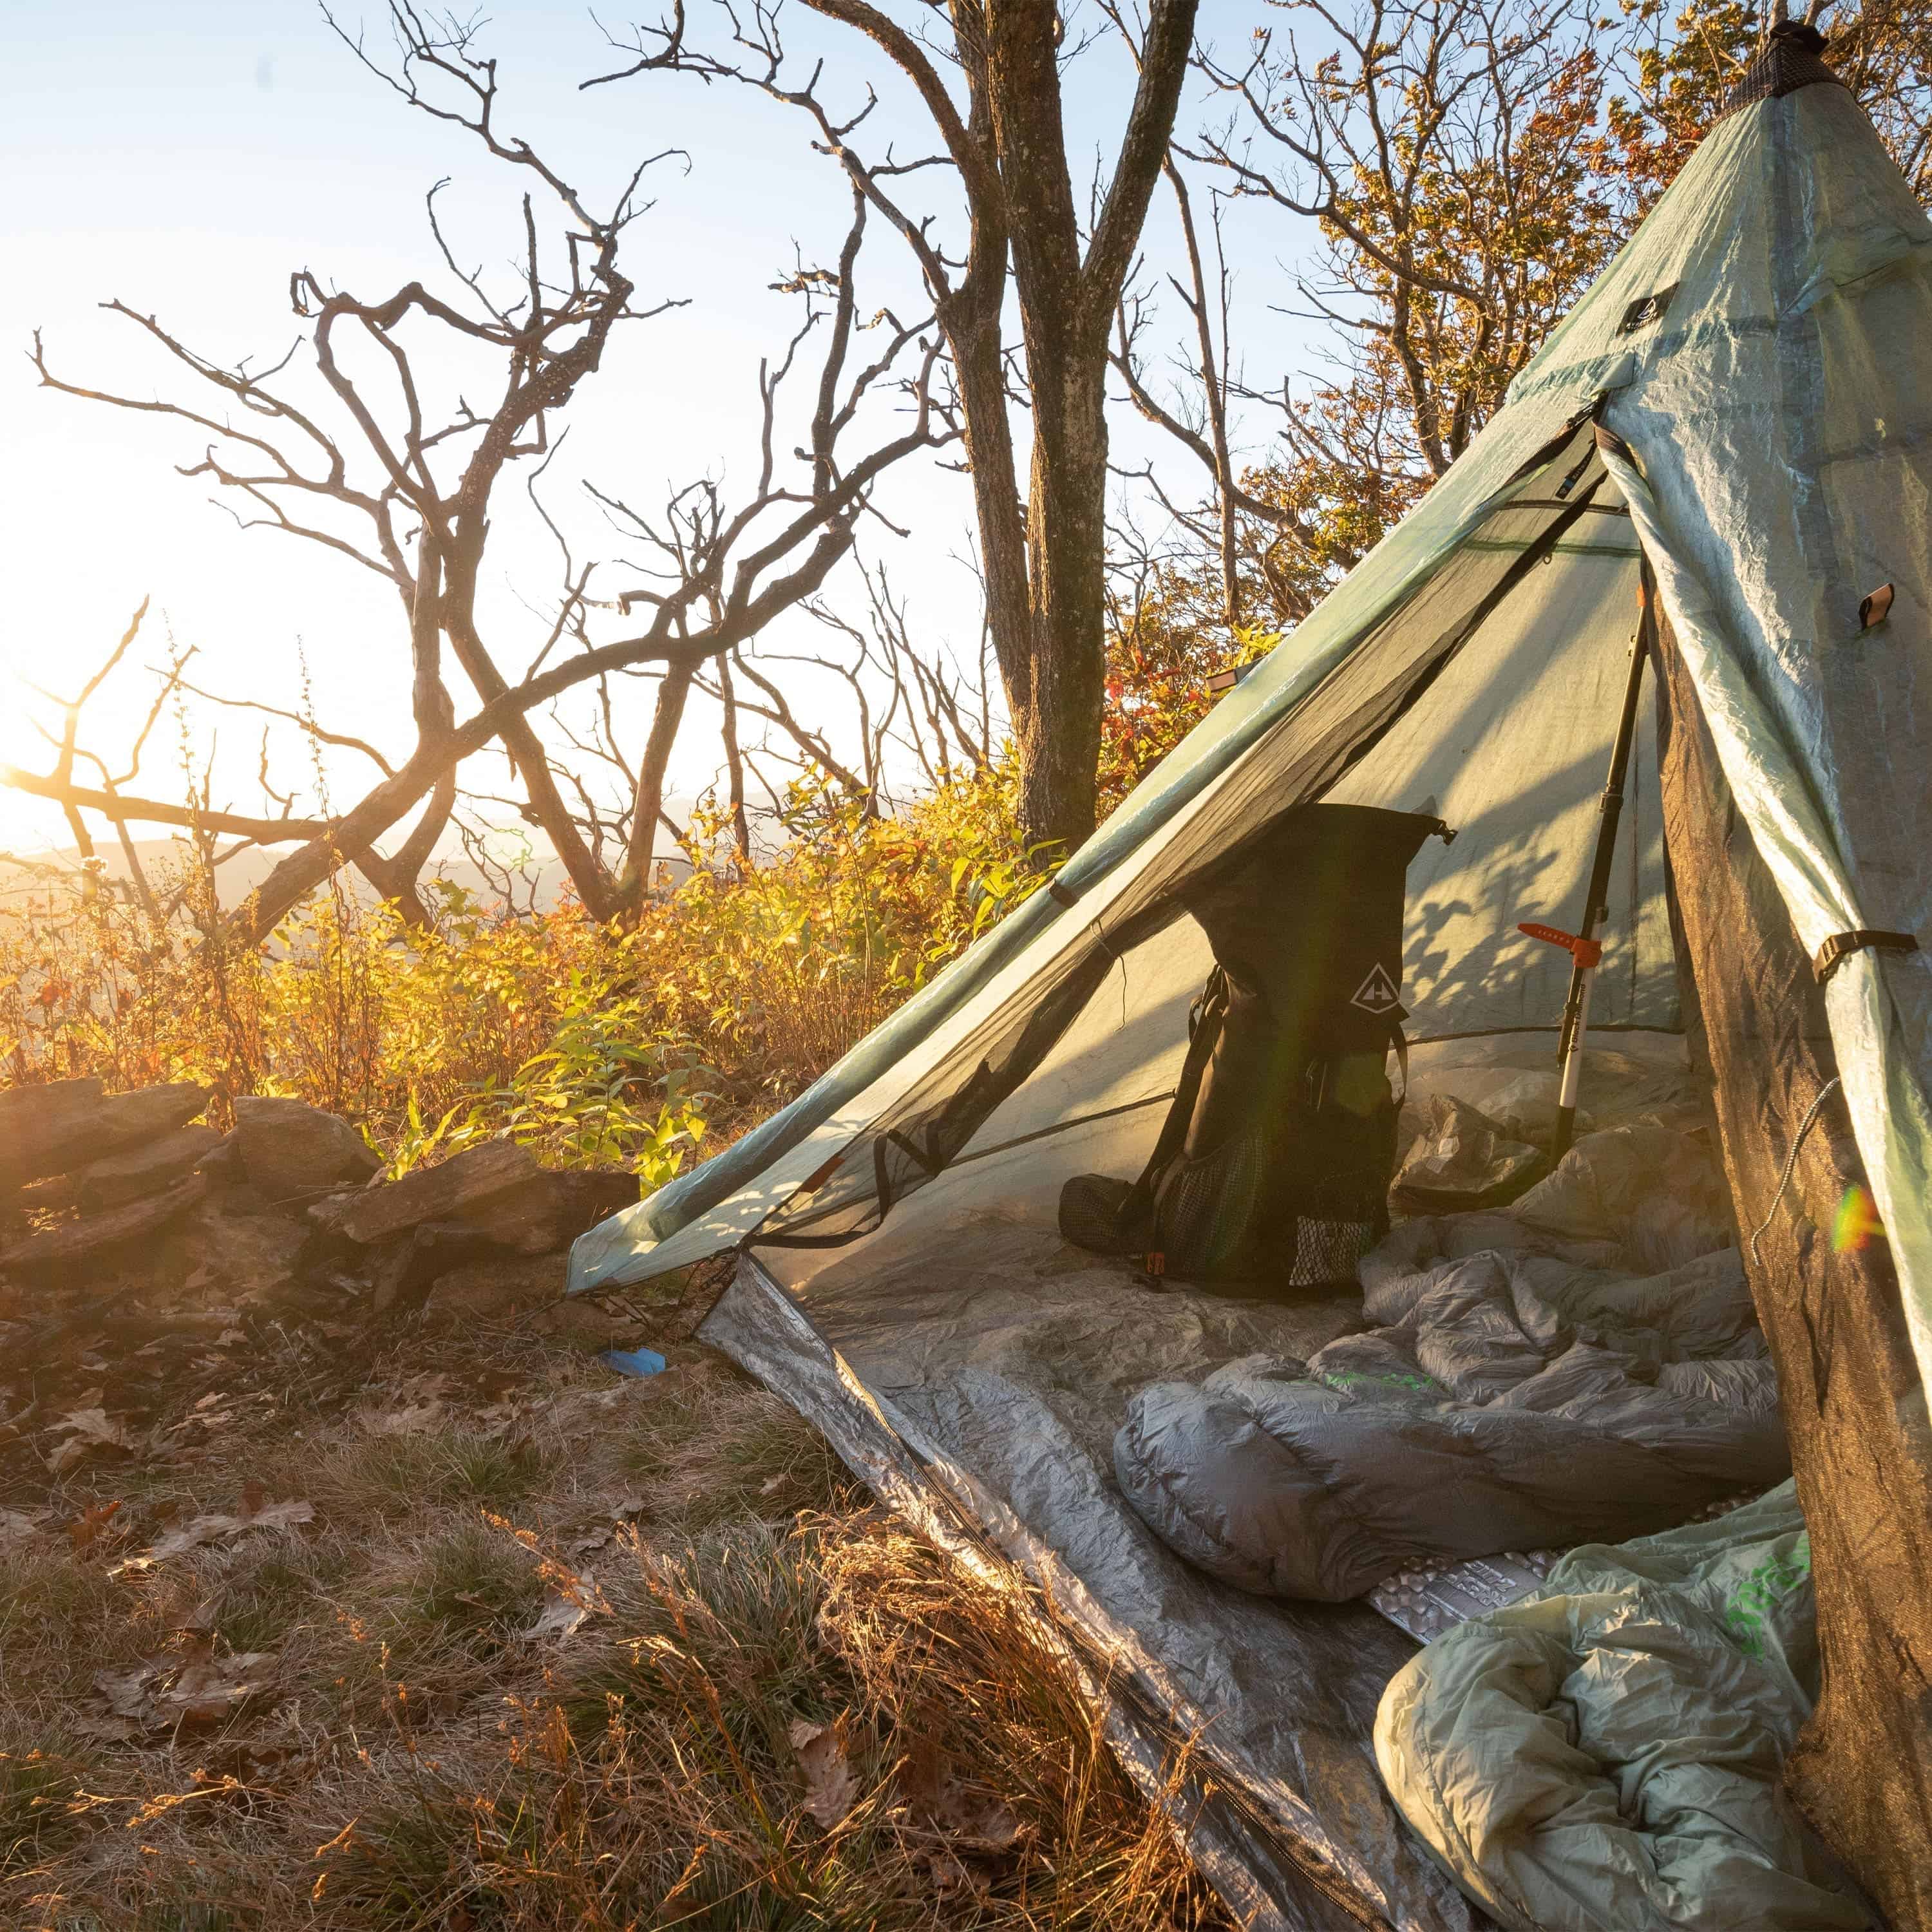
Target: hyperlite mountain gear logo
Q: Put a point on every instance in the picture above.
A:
(1376, 994)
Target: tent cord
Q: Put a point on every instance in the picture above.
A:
(1790, 1161)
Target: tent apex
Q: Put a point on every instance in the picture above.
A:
(1792, 57)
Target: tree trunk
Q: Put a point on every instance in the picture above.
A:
(519, 740)
(648, 807)
(1854, 1407)
(734, 766)
(1060, 744)
(980, 369)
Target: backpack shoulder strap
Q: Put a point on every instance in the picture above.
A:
(1204, 1021)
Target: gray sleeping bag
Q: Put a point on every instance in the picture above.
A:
(1606, 1755)
(1583, 1365)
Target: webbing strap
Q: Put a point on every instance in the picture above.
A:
(1203, 1029)
(1841, 946)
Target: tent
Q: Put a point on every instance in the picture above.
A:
(1741, 407)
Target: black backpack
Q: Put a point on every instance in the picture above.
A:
(1273, 1163)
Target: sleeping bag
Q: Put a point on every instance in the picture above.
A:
(1607, 1752)
(1585, 1363)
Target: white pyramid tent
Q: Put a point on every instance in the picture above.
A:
(1743, 403)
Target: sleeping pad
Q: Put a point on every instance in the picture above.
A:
(1605, 1755)
(1585, 1364)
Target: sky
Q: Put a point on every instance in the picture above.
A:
(186, 160)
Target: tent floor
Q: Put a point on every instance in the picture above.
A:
(976, 1377)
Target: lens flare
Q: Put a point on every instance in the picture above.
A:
(1855, 1223)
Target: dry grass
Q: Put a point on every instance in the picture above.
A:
(416, 1763)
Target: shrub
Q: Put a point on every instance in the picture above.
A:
(592, 1044)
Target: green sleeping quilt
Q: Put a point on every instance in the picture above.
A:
(1605, 1755)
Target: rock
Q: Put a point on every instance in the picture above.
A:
(555, 1208)
(41, 1127)
(497, 1189)
(450, 1191)
(223, 1163)
(142, 1170)
(586, 1195)
(409, 1263)
(82, 1240)
(63, 1124)
(293, 1150)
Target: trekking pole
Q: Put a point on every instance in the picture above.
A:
(1586, 948)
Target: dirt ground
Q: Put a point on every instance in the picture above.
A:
(440, 1623)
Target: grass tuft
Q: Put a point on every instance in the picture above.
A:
(418, 1764)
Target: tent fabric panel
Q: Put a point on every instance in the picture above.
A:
(1511, 747)
(1127, 1044)
(1405, 559)
(1300, 758)
(1771, 501)
(1710, 240)
(1881, 1080)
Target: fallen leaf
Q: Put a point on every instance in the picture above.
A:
(626, 1509)
(88, 1432)
(950, 1875)
(559, 1617)
(108, 1730)
(969, 1818)
(89, 1524)
(411, 1421)
(127, 1690)
(17, 1526)
(204, 1692)
(229, 1338)
(191, 1688)
(254, 1494)
(212, 1528)
(830, 1789)
(13, 1427)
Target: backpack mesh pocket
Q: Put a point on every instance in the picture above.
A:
(1206, 1208)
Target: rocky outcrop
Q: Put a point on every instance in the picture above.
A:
(497, 1191)
(143, 1170)
(282, 1215)
(72, 1242)
(64, 1124)
(293, 1152)
(476, 1179)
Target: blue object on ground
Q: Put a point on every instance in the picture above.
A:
(633, 1361)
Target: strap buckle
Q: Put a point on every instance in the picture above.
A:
(1841, 946)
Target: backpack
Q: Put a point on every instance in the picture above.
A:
(1273, 1164)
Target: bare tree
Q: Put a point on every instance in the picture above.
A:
(989, 81)
(1446, 157)
(409, 495)
(915, 703)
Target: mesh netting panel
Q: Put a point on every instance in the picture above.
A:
(1790, 61)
